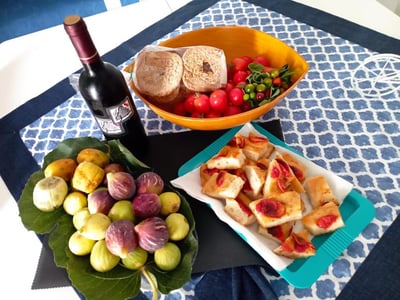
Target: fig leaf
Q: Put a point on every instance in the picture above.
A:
(119, 283)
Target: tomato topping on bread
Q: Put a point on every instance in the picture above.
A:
(276, 210)
(323, 219)
(297, 245)
(278, 233)
(223, 185)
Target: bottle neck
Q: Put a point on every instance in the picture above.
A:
(77, 31)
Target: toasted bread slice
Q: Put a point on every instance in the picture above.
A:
(204, 68)
(323, 219)
(223, 185)
(256, 174)
(238, 209)
(277, 233)
(280, 178)
(205, 173)
(297, 245)
(158, 75)
(319, 191)
(256, 147)
(299, 170)
(228, 158)
(277, 209)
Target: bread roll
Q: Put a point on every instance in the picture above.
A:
(158, 75)
(204, 69)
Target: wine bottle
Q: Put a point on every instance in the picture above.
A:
(104, 89)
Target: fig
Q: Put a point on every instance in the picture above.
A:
(112, 168)
(121, 185)
(168, 257)
(79, 245)
(87, 177)
(135, 259)
(149, 182)
(49, 193)
(121, 238)
(152, 233)
(146, 205)
(74, 202)
(170, 203)
(79, 219)
(93, 155)
(95, 227)
(101, 259)
(122, 210)
(178, 226)
(63, 167)
(100, 201)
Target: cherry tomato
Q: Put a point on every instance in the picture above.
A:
(201, 103)
(277, 81)
(189, 104)
(219, 100)
(179, 108)
(197, 114)
(239, 76)
(274, 73)
(229, 86)
(260, 96)
(213, 114)
(247, 58)
(239, 64)
(262, 60)
(246, 106)
(232, 110)
(236, 96)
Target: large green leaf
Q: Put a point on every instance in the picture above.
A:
(119, 283)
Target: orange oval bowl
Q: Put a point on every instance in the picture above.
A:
(236, 41)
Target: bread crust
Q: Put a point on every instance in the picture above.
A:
(204, 68)
(319, 191)
(330, 210)
(158, 75)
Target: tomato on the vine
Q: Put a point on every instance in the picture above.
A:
(239, 76)
(239, 64)
(201, 103)
(232, 110)
(235, 96)
(262, 60)
(189, 104)
(179, 108)
(219, 101)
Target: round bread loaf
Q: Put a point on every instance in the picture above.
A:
(204, 68)
(158, 75)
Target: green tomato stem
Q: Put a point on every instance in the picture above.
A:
(153, 284)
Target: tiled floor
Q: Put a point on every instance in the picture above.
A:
(31, 64)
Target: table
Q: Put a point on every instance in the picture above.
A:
(324, 118)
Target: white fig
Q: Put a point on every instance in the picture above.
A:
(49, 193)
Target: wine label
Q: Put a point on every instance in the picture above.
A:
(117, 115)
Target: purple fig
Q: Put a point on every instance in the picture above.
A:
(121, 185)
(112, 168)
(149, 182)
(100, 201)
(121, 238)
(146, 205)
(152, 233)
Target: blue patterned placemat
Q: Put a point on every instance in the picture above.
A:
(324, 118)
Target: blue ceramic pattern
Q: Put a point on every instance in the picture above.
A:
(324, 118)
